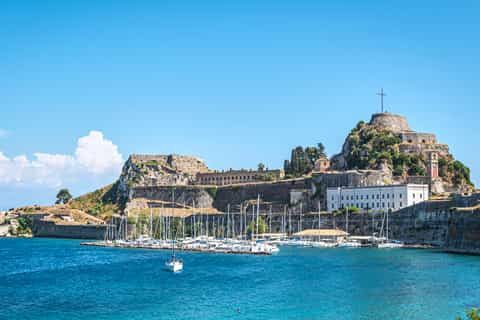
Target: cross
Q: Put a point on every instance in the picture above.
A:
(381, 94)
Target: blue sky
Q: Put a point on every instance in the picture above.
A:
(234, 83)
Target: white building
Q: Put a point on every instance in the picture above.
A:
(376, 198)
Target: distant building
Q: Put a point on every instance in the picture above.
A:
(221, 178)
(322, 165)
(376, 198)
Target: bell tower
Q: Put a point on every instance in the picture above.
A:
(432, 165)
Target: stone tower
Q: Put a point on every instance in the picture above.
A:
(432, 165)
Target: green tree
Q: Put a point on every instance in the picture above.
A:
(261, 167)
(24, 225)
(63, 196)
(321, 150)
(252, 227)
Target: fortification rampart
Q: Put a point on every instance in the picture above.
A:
(48, 229)
(418, 137)
(393, 122)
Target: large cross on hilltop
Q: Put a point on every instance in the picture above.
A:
(381, 94)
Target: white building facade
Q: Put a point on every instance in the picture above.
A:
(376, 198)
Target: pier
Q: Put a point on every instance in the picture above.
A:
(226, 246)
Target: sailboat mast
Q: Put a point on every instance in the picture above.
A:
(258, 210)
(346, 220)
(228, 220)
(300, 227)
(319, 225)
(126, 224)
(270, 220)
(194, 224)
(289, 221)
(387, 225)
(151, 223)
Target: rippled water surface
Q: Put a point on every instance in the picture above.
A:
(59, 279)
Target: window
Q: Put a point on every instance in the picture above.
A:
(400, 196)
(388, 195)
(361, 197)
(383, 196)
(378, 204)
(413, 195)
(367, 196)
(393, 195)
(383, 204)
(342, 197)
(332, 198)
(378, 196)
(357, 197)
(333, 206)
(420, 196)
(400, 204)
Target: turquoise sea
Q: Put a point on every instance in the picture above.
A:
(59, 279)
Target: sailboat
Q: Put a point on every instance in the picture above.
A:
(389, 243)
(348, 243)
(174, 264)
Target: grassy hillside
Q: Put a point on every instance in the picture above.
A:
(102, 203)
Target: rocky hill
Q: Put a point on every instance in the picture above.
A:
(159, 170)
(388, 143)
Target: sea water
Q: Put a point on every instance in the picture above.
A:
(60, 279)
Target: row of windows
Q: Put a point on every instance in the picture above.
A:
(213, 179)
(367, 205)
(357, 197)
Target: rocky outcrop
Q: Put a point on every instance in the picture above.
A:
(159, 170)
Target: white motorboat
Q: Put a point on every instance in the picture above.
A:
(350, 244)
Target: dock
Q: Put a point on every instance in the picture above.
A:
(239, 248)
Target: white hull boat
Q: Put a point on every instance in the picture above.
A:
(390, 245)
(174, 265)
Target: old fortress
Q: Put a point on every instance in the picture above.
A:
(144, 176)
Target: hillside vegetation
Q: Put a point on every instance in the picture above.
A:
(102, 203)
(367, 147)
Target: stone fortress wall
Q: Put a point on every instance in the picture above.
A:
(229, 177)
(418, 137)
(48, 229)
(393, 122)
(187, 164)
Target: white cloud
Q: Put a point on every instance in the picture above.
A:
(94, 157)
(97, 154)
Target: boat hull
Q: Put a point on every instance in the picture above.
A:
(174, 266)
